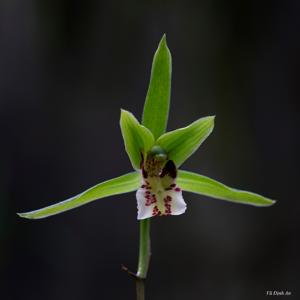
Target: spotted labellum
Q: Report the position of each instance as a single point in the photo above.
(159, 194)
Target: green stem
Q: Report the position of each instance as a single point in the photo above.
(144, 258)
(140, 289)
(145, 249)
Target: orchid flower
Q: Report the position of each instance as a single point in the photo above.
(156, 157)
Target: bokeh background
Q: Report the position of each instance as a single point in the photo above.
(67, 67)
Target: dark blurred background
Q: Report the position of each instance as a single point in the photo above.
(66, 69)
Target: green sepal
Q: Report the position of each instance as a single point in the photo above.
(181, 143)
(156, 108)
(137, 138)
(199, 184)
(119, 185)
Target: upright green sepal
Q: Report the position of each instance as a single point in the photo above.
(156, 108)
(181, 143)
(199, 184)
(119, 185)
(137, 138)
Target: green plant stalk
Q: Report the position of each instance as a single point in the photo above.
(140, 289)
(145, 249)
(144, 258)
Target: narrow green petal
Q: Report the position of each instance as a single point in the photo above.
(156, 108)
(181, 143)
(199, 184)
(137, 138)
(120, 185)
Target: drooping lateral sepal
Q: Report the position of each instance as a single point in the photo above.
(137, 138)
(181, 143)
(119, 185)
(199, 184)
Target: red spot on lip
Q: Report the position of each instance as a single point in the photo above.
(156, 211)
(177, 189)
(168, 210)
(168, 199)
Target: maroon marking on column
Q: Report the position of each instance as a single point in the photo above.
(142, 161)
(145, 174)
(169, 169)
